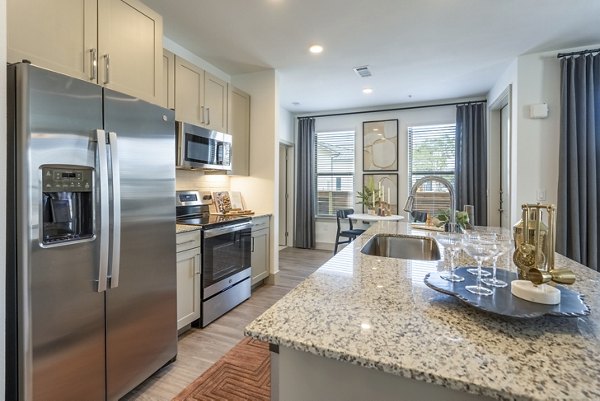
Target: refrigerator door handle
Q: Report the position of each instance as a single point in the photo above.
(116, 191)
(104, 220)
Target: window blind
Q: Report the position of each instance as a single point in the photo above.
(334, 171)
(431, 151)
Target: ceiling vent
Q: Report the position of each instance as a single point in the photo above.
(362, 71)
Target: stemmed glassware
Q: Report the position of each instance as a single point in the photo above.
(502, 243)
(452, 242)
(474, 235)
(479, 249)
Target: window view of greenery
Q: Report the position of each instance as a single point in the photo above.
(334, 171)
(431, 151)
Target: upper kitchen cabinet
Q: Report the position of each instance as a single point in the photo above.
(239, 128)
(168, 92)
(116, 43)
(130, 48)
(215, 102)
(60, 35)
(200, 97)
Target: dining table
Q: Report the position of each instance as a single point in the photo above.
(374, 217)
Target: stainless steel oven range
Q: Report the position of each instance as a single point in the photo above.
(225, 246)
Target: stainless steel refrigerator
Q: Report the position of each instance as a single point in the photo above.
(91, 269)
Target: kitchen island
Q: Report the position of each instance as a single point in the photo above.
(367, 327)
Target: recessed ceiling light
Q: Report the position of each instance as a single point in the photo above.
(375, 129)
(367, 91)
(316, 49)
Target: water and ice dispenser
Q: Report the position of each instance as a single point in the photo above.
(67, 204)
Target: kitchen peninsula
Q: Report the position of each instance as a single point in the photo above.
(367, 327)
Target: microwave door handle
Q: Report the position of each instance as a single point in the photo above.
(116, 191)
(104, 222)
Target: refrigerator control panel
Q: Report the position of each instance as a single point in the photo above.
(67, 204)
(67, 179)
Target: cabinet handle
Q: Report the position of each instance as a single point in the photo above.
(93, 64)
(252, 245)
(208, 116)
(202, 114)
(107, 68)
(186, 242)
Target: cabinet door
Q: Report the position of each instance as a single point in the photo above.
(168, 80)
(215, 102)
(189, 91)
(188, 287)
(260, 255)
(239, 128)
(59, 35)
(130, 48)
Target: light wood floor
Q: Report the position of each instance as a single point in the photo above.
(198, 349)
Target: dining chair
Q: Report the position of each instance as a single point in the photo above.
(350, 234)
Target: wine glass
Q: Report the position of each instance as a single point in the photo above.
(452, 242)
(502, 243)
(475, 235)
(479, 249)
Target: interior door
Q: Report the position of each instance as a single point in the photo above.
(505, 220)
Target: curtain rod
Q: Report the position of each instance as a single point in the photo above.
(394, 109)
(561, 55)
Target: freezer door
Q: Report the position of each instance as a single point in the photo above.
(59, 314)
(141, 307)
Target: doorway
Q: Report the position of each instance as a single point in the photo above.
(285, 208)
(499, 168)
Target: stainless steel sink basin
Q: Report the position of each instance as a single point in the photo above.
(402, 247)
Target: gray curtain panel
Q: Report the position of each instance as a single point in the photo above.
(305, 187)
(578, 221)
(471, 159)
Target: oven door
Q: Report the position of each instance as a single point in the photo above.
(225, 253)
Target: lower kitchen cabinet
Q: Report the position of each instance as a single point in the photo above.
(260, 248)
(188, 278)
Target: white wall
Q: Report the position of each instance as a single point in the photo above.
(260, 189)
(286, 126)
(179, 50)
(326, 228)
(535, 78)
(2, 189)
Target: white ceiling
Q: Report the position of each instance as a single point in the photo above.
(417, 50)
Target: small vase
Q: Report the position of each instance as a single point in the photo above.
(371, 211)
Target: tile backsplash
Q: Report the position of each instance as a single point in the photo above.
(187, 179)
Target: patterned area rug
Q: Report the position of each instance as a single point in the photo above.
(244, 373)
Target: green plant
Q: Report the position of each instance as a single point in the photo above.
(366, 196)
(462, 218)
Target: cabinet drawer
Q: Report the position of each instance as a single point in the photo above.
(260, 222)
(188, 240)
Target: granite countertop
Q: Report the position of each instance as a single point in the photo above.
(378, 313)
(184, 228)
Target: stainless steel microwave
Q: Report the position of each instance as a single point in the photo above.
(199, 147)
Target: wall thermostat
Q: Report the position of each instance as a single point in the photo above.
(538, 110)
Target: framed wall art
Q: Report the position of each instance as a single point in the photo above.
(380, 145)
(386, 185)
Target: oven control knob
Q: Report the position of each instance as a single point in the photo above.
(230, 280)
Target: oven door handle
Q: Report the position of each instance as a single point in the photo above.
(213, 232)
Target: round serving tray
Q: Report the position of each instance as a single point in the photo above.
(502, 302)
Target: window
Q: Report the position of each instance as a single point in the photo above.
(431, 150)
(335, 171)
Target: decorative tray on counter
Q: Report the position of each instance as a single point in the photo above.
(502, 302)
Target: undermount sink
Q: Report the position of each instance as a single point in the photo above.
(402, 247)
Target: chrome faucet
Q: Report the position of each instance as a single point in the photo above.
(408, 207)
